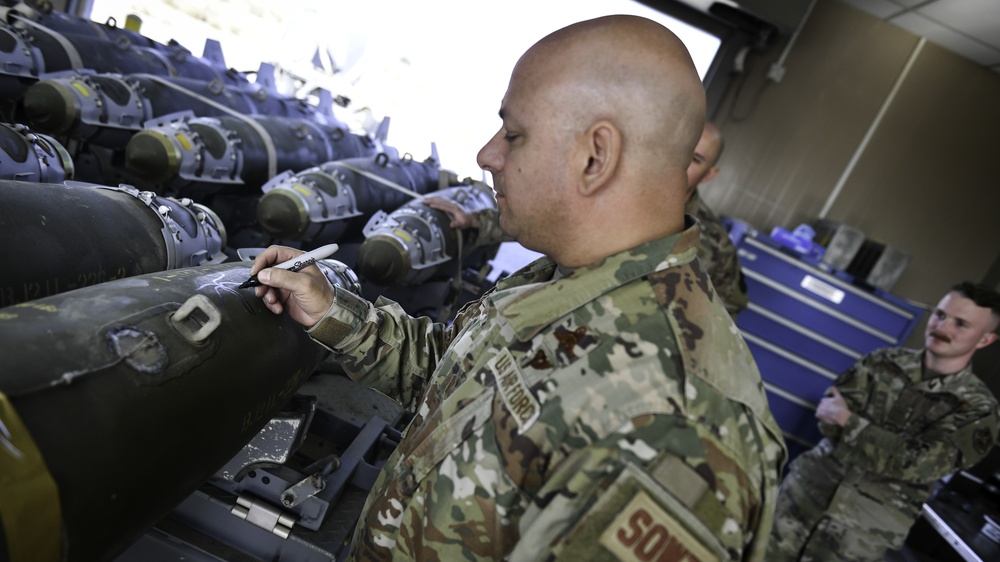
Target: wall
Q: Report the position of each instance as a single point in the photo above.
(925, 182)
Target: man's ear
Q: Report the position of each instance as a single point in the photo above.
(987, 339)
(604, 147)
(710, 175)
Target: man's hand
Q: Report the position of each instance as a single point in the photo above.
(833, 409)
(306, 295)
(459, 218)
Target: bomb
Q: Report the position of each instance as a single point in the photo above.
(184, 152)
(107, 109)
(62, 237)
(334, 201)
(415, 243)
(118, 400)
(32, 156)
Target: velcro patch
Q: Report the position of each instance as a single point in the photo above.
(982, 440)
(683, 481)
(514, 390)
(644, 531)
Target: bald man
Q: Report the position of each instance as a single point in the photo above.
(716, 251)
(598, 403)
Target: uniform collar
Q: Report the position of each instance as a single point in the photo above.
(693, 203)
(538, 302)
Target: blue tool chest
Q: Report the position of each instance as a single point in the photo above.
(807, 323)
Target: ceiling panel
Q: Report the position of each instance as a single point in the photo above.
(970, 28)
(968, 47)
(979, 19)
(881, 9)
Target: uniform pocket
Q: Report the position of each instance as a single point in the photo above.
(437, 440)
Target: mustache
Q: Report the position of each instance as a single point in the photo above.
(940, 336)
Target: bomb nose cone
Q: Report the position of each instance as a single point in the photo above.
(50, 107)
(282, 214)
(153, 155)
(383, 261)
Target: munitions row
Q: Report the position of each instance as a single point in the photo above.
(216, 162)
(133, 176)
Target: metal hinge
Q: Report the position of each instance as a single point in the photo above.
(264, 515)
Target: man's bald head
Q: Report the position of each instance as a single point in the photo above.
(600, 120)
(632, 71)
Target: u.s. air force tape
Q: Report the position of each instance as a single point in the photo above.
(514, 390)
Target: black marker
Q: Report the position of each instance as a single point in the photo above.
(297, 263)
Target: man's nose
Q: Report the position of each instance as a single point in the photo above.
(489, 157)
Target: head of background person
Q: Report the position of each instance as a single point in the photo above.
(964, 321)
(600, 120)
(703, 167)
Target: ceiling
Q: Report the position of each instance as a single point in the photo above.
(970, 28)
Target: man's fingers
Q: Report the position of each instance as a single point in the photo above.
(284, 279)
(273, 255)
(439, 203)
(449, 207)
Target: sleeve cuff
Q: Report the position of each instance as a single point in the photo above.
(342, 325)
(849, 437)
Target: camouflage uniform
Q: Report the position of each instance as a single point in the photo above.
(718, 256)
(857, 493)
(612, 408)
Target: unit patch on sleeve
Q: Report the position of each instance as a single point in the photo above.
(982, 440)
(644, 531)
(514, 390)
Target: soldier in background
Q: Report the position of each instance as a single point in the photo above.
(894, 423)
(716, 251)
(599, 402)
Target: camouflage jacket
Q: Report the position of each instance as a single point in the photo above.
(858, 492)
(612, 409)
(718, 256)
(907, 431)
